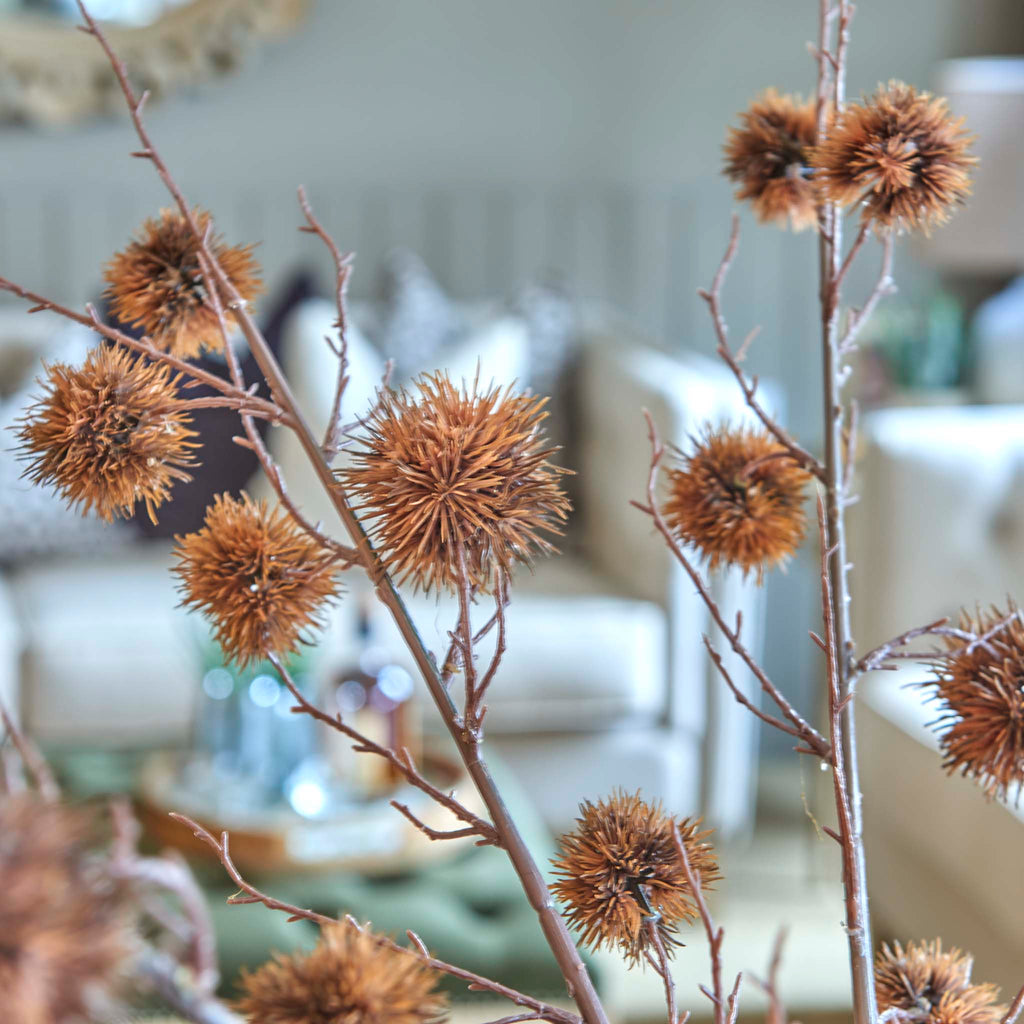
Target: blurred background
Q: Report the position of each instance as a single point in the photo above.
(534, 185)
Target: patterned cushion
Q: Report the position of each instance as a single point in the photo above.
(415, 319)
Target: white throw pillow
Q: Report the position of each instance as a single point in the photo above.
(499, 345)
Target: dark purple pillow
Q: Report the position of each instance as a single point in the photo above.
(223, 465)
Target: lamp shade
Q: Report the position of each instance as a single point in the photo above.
(987, 236)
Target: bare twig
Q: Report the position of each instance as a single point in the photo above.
(403, 762)
(248, 893)
(170, 874)
(343, 269)
(883, 286)
(254, 404)
(163, 973)
(33, 761)
(849, 838)
(891, 649)
(662, 965)
(800, 726)
(255, 442)
(475, 714)
(1015, 1008)
(742, 698)
(770, 983)
(715, 936)
(712, 297)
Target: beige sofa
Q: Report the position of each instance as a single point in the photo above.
(605, 682)
(940, 525)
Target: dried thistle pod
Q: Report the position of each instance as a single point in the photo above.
(979, 686)
(768, 157)
(157, 283)
(65, 925)
(738, 497)
(933, 986)
(109, 434)
(449, 474)
(260, 579)
(348, 978)
(620, 871)
(900, 155)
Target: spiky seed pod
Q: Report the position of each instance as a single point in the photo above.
(901, 155)
(259, 578)
(620, 869)
(157, 284)
(933, 986)
(64, 926)
(109, 434)
(980, 691)
(739, 498)
(768, 156)
(348, 978)
(449, 470)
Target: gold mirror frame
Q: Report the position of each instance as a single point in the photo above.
(50, 73)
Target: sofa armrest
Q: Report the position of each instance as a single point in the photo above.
(621, 377)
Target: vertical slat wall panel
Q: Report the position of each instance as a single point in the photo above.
(644, 253)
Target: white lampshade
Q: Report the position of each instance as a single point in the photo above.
(986, 236)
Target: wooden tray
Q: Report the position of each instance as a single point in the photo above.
(370, 838)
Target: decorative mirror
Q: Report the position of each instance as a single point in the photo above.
(51, 73)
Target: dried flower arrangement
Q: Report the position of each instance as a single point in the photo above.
(450, 489)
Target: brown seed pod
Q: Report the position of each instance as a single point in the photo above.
(64, 926)
(455, 471)
(980, 690)
(258, 577)
(348, 978)
(933, 986)
(768, 157)
(620, 869)
(109, 434)
(900, 155)
(157, 284)
(738, 497)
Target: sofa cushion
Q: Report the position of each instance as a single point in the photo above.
(497, 344)
(941, 521)
(580, 656)
(109, 658)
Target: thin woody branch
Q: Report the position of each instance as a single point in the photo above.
(343, 269)
(661, 964)
(810, 736)
(712, 297)
(401, 762)
(770, 983)
(255, 442)
(892, 649)
(169, 874)
(248, 894)
(883, 286)
(724, 1013)
(258, 406)
(563, 948)
(1015, 1008)
(848, 837)
(31, 758)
